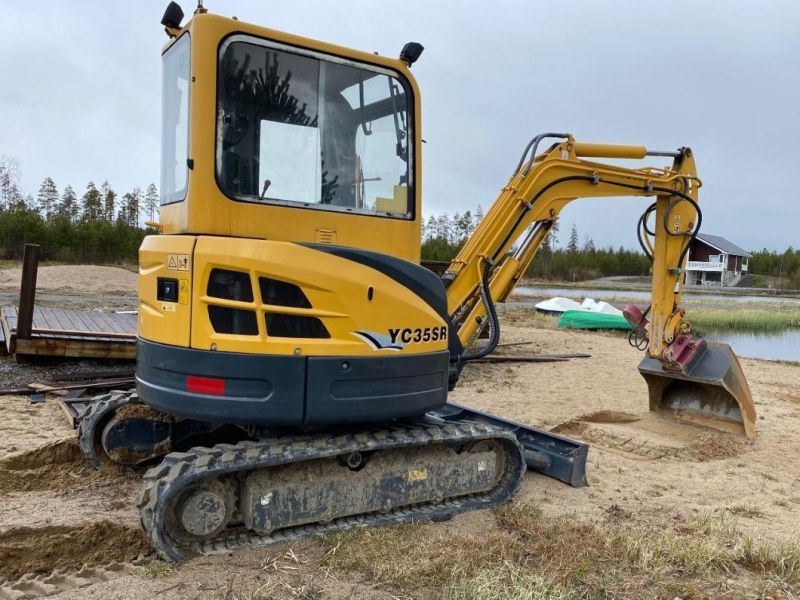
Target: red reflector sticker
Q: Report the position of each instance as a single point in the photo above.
(205, 385)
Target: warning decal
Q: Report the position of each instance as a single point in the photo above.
(178, 262)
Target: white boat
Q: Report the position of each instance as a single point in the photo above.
(555, 306)
(602, 307)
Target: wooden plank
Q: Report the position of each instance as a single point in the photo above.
(83, 335)
(80, 327)
(51, 319)
(95, 375)
(9, 345)
(67, 409)
(11, 316)
(41, 387)
(73, 320)
(89, 322)
(54, 320)
(112, 324)
(27, 290)
(109, 322)
(74, 409)
(76, 348)
(109, 384)
(492, 358)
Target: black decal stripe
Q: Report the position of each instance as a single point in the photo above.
(418, 279)
(374, 342)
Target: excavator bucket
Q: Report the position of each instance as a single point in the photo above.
(711, 390)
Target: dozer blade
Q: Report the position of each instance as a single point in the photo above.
(710, 391)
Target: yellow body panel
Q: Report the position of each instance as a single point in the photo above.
(166, 256)
(338, 290)
(206, 210)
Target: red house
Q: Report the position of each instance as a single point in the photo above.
(713, 260)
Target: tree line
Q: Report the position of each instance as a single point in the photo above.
(444, 235)
(101, 226)
(97, 226)
(783, 265)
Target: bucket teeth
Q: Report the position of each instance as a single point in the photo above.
(712, 391)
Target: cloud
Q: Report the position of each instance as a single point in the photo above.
(81, 100)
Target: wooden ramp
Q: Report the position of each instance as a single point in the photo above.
(72, 333)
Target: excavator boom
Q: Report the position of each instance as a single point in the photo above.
(686, 376)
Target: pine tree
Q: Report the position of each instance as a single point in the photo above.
(572, 245)
(463, 226)
(430, 228)
(92, 204)
(68, 207)
(443, 227)
(136, 208)
(129, 209)
(109, 201)
(588, 244)
(552, 236)
(47, 198)
(10, 196)
(151, 201)
(478, 215)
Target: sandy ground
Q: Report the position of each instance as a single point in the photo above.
(664, 470)
(642, 469)
(75, 278)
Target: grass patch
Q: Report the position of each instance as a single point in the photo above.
(529, 556)
(743, 320)
(746, 510)
(155, 570)
(528, 318)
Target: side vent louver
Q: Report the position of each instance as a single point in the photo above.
(325, 236)
(292, 326)
(230, 285)
(280, 293)
(233, 320)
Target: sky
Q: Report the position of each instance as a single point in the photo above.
(80, 94)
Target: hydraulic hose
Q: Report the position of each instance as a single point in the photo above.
(491, 313)
(534, 143)
(642, 232)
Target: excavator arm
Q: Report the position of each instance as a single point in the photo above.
(687, 376)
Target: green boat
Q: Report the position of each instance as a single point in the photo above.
(584, 319)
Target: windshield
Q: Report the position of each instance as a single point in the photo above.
(301, 130)
(175, 121)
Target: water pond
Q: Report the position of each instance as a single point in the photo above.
(782, 345)
(639, 295)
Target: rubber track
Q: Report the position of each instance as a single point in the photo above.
(101, 407)
(179, 470)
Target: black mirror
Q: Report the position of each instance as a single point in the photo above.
(172, 16)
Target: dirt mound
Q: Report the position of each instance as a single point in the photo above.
(26, 550)
(610, 416)
(55, 453)
(75, 278)
(55, 466)
(651, 437)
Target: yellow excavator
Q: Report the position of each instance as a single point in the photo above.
(294, 358)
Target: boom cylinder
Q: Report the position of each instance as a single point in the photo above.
(588, 149)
